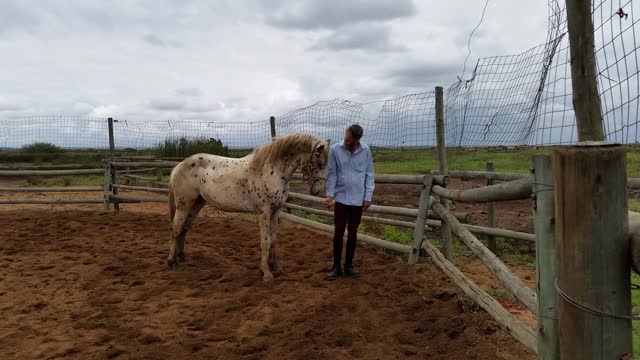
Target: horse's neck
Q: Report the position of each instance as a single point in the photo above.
(288, 167)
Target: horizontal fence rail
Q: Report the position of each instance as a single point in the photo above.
(513, 190)
(50, 189)
(51, 172)
(405, 249)
(379, 209)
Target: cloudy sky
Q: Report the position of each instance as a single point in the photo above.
(241, 60)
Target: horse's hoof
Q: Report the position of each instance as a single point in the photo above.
(180, 258)
(268, 277)
(172, 264)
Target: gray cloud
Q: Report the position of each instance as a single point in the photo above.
(376, 38)
(422, 75)
(167, 104)
(155, 40)
(331, 14)
(190, 92)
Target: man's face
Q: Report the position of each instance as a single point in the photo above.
(350, 141)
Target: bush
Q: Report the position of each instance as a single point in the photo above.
(41, 148)
(184, 147)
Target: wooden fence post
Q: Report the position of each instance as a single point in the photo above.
(111, 139)
(421, 220)
(112, 148)
(592, 249)
(586, 101)
(106, 186)
(272, 121)
(447, 249)
(491, 215)
(544, 225)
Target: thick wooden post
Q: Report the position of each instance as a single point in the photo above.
(544, 225)
(447, 248)
(421, 220)
(272, 121)
(592, 250)
(491, 215)
(586, 101)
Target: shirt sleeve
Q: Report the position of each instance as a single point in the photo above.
(369, 183)
(331, 173)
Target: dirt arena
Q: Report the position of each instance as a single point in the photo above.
(78, 283)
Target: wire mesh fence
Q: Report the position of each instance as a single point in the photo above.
(522, 99)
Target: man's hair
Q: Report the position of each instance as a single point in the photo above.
(356, 131)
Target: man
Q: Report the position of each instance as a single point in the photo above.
(350, 187)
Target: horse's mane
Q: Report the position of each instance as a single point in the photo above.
(281, 147)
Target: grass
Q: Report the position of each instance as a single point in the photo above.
(423, 160)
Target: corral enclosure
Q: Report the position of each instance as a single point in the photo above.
(81, 282)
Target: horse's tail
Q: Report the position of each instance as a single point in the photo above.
(172, 203)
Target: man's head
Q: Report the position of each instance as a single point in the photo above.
(352, 136)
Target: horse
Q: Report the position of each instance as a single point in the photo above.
(257, 183)
(634, 240)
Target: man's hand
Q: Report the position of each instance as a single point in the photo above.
(367, 204)
(328, 202)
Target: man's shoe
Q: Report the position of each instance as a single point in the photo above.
(335, 272)
(348, 271)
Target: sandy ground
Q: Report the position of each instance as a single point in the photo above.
(80, 283)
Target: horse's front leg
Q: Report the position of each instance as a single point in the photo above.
(273, 262)
(265, 244)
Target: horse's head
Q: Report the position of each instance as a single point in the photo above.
(314, 171)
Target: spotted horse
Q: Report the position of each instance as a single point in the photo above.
(257, 183)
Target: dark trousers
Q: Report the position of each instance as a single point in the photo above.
(345, 216)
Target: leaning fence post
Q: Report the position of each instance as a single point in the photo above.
(447, 249)
(544, 228)
(491, 215)
(421, 221)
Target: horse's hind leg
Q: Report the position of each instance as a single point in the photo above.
(191, 216)
(181, 220)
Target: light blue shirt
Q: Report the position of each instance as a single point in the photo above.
(350, 177)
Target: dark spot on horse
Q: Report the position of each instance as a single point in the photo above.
(204, 181)
(194, 164)
(209, 161)
(282, 177)
(272, 172)
(196, 175)
(213, 167)
(200, 158)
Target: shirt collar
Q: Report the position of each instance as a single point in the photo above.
(358, 149)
